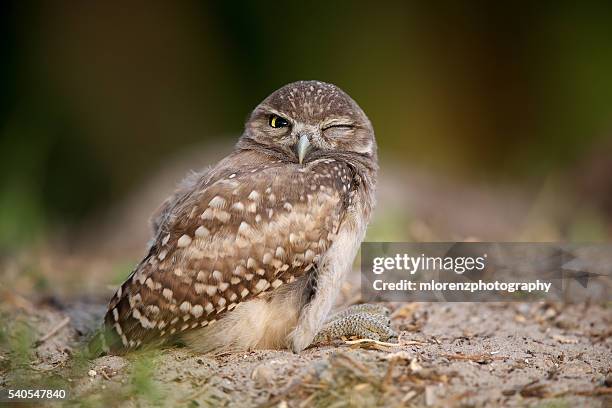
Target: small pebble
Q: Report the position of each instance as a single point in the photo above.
(92, 373)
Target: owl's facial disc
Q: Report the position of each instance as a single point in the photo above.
(308, 118)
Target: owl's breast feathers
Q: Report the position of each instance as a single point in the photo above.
(240, 234)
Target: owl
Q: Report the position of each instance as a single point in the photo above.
(252, 252)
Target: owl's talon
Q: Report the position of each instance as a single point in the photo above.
(365, 321)
(368, 308)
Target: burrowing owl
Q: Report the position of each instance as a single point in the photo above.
(252, 252)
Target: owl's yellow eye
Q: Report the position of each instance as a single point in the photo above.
(278, 122)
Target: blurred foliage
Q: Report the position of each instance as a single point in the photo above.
(141, 379)
(95, 97)
(16, 340)
(18, 362)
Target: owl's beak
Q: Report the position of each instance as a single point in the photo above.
(303, 146)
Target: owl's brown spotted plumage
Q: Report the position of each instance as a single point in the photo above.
(252, 252)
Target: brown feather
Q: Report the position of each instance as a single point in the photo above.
(265, 225)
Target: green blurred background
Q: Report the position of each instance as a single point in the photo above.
(97, 95)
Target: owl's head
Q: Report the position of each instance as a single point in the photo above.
(308, 119)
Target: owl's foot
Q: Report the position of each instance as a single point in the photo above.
(365, 321)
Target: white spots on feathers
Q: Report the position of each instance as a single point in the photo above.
(152, 310)
(202, 232)
(280, 252)
(252, 207)
(238, 206)
(185, 307)
(167, 293)
(253, 195)
(212, 213)
(134, 300)
(262, 285)
(240, 270)
(183, 241)
(217, 202)
(210, 289)
(251, 263)
(309, 255)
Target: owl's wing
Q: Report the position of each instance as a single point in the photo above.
(240, 235)
(164, 211)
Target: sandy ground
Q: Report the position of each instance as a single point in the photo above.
(449, 354)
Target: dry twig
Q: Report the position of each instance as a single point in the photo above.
(474, 357)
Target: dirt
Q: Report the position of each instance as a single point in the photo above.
(449, 354)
